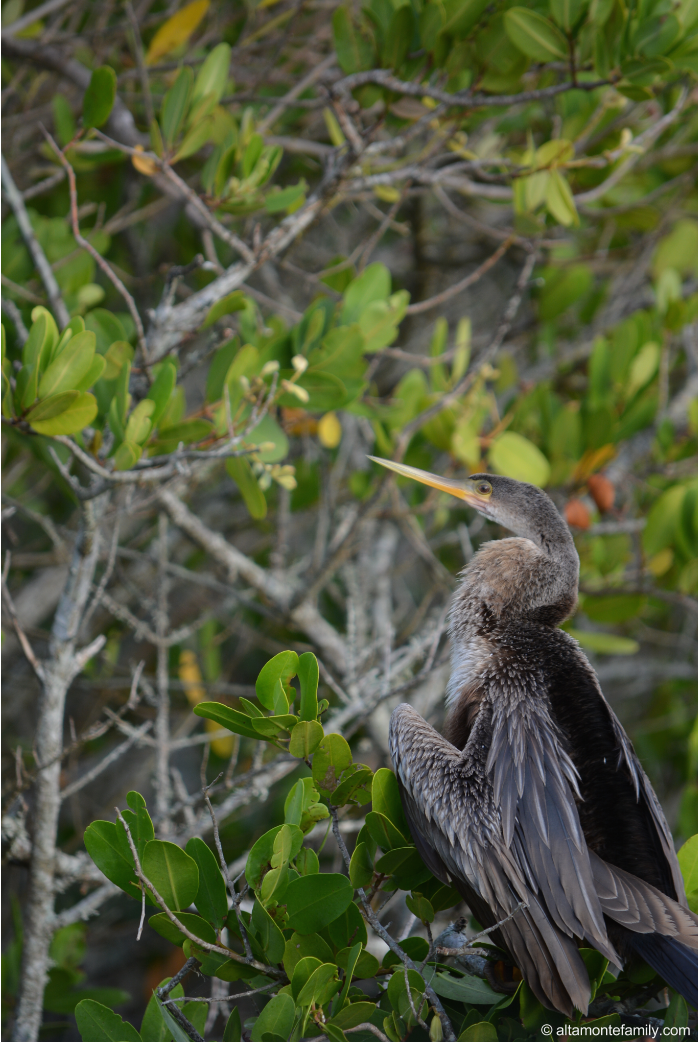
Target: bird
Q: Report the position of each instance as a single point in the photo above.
(533, 803)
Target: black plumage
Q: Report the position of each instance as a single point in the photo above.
(535, 794)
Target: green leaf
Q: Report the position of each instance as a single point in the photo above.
(99, 97)
(261, 854)
(211, 898)
(316, 985)
(69, 366)
(361, 866)
(331, 758)
(461, 16)
(153, 1027)
(348, 928)
(175, 105)
(483, 1031)
(43, 337)
(175, 1030)
(605, 643)
(354, 50)
(218, 369)
(237, 722)
(286, 198)
(240, 471)
(348, 964)
(315, 901)
(305, 738)
(277, 1018)
(79, 415)
(398, 38)
(118, 354)
(416, 947)
(127, 454)
(138, 821)
(354, 786)
(268, 430)
(188, 432)
(52, 406)
(688, 861)
(299, 947)
(93, 374)
(566, 12)
(421, 907)
(233, 1027)
(676, 1015)
(309, 678)
(353, 1015)
(517, 457)
(283, 667)
(464, 989)
(139, 425)
(213, 75)
(163, 925)
(267, 933)
(161, 389)
(384, 832)
(406, 865)
(374, 283)
(386, 799)
(534, 35)
(236, 301)
(96, 1023)
(110, 853)
(559, 199)
(172, 872)
(302, 973)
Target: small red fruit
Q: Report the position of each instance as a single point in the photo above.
(576, 514)
(602, 492)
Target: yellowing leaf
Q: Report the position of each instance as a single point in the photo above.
(176, 30)
(333, 128)
(560, 201)
(190, 675)
(329, 430)
(142, 164)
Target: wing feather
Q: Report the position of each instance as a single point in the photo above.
(503, 823)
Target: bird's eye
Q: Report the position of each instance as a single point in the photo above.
(484, 488)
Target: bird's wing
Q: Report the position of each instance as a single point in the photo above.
(500, 818)
(644, 793)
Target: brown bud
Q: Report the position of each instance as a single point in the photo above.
(576, 514)
(602, 492)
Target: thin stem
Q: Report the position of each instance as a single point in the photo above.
(14, 197)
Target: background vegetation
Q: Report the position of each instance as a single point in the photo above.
(244, 247)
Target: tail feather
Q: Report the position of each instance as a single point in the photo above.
(673, 961)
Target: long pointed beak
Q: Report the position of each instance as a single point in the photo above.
(454, 488)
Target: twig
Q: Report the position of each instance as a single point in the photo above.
(205, 945)
(108, 760)
(486, 359)
(87, 245)
(41, 263)
(483, 933)
(282, 104)
(33, 16)
(142, 71)
(15, 314)
(236, 898)
(469, 280)
(463, 99)
(21, 635)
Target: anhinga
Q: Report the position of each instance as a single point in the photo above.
(534, 794)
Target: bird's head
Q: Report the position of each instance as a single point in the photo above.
(523, 509)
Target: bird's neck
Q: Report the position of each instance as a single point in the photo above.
(516, 580)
